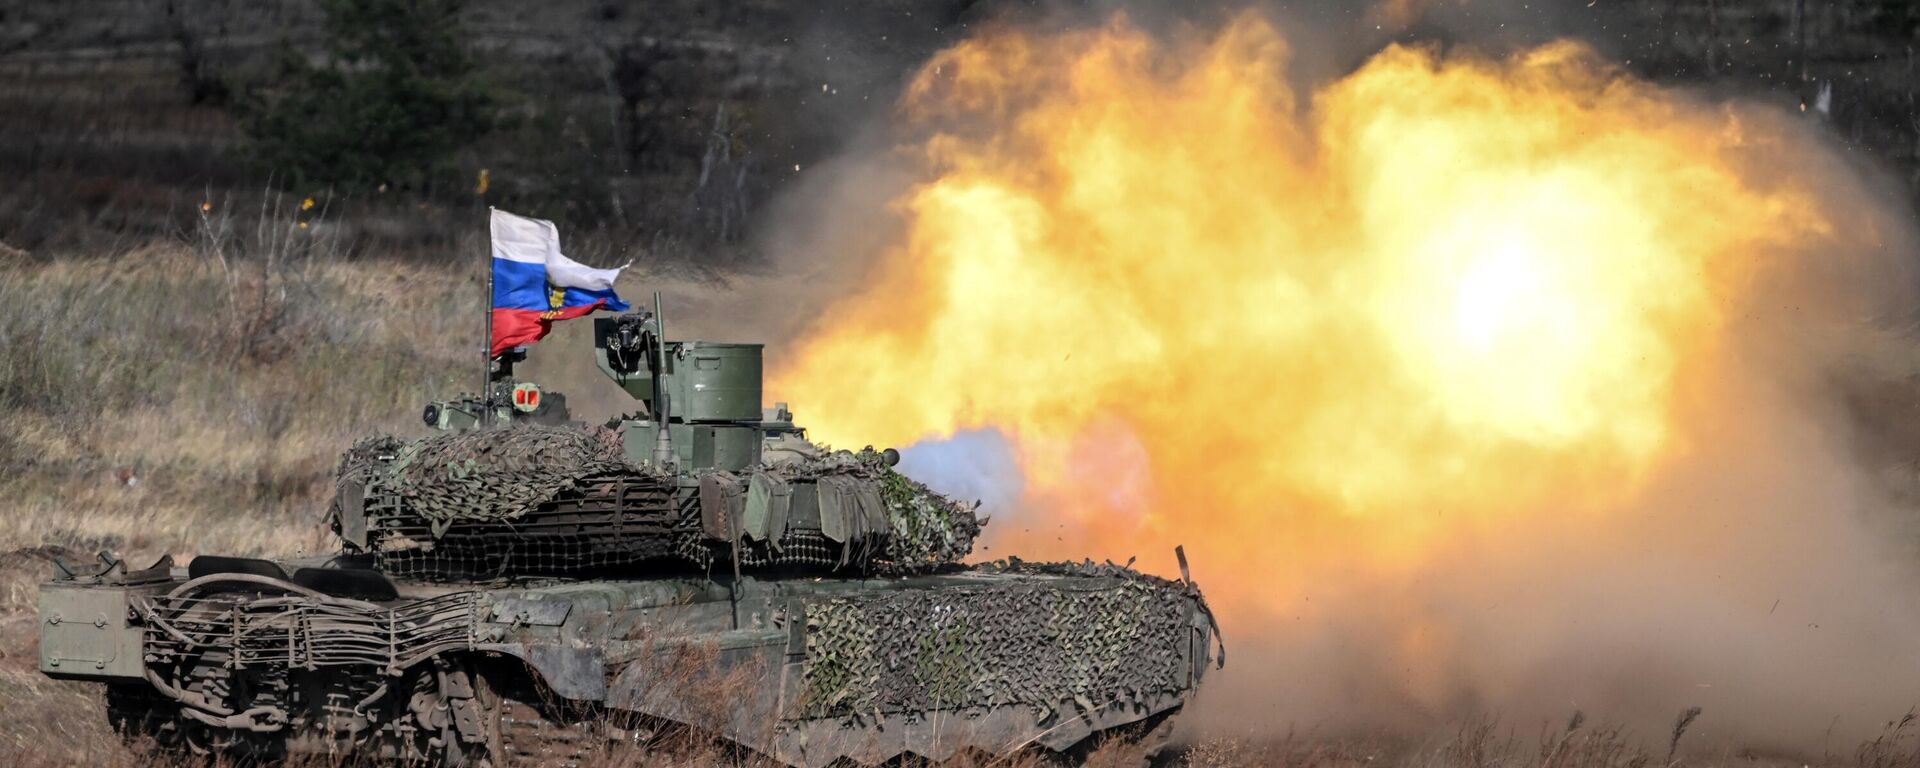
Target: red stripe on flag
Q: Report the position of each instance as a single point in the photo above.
(520, 327)
(517, 327)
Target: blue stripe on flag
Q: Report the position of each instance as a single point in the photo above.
(580, 297)
(519, 285)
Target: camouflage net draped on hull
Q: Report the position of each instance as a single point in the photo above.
(1032, 641)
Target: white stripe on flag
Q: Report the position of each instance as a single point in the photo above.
(537, 241)
(518, 238)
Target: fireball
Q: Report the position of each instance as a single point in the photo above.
(1443, 290)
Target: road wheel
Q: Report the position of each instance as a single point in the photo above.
(1135, 745)
(526, 725)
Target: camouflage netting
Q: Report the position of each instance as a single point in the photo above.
(498, 474)
(927, 527)
(1026, 642)
(884, 517)
(485, 502)
(358, 465)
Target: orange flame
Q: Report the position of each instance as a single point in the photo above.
(1450, 289)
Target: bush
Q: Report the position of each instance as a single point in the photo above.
(392, 100)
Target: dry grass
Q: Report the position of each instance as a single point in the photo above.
(1480, 743)
(172, 399)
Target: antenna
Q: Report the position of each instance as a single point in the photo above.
(486, 346)
(663, 442)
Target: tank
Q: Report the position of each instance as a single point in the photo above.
(517, 587)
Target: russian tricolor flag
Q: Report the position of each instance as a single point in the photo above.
(534, 285)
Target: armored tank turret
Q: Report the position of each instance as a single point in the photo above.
(700, 474)
(520, 588)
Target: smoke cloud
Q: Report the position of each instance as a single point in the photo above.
(1137, 287)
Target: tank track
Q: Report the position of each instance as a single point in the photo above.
(137, 712)
(1139, 745)
(530, 738)
(527, 726)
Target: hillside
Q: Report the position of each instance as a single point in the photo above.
(668, 128)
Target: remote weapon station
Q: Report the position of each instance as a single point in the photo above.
(517, 588)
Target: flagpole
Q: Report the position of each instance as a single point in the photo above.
(486, 341)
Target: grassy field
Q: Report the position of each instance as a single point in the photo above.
(159, 401)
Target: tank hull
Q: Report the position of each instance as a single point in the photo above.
(260, 657)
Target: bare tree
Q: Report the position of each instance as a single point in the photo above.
(719, 202)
